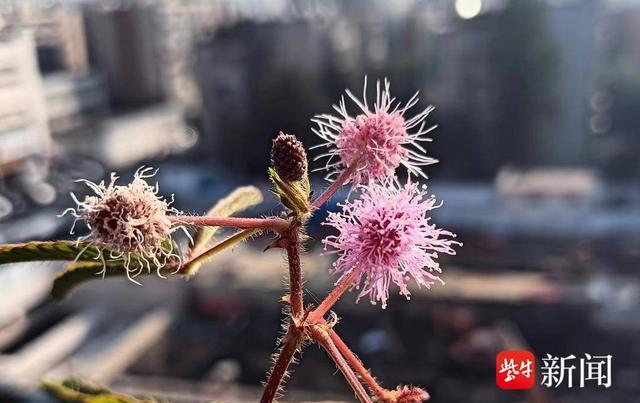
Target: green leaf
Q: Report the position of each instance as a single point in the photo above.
(47, 250)
(77, 391)
(58, 250)
(80, 272)
(86, 261)
(75, 274)
(240, 199)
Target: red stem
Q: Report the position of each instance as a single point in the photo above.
(356, 364)
(295, 273)
(290, 345)
(333, 188)
(272, 223)
(321, 336)
(343, 285)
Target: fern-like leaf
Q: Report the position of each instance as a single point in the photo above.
(80, 272)
(47, 250)
(75, 274)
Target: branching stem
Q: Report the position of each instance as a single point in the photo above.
(356, 364)
(322, 337)
(272, 223)
(333, 188)
(343, 285)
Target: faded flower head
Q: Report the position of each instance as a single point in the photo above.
(289, 157)
(386, 236)
(378, 141)
(404, 394)
(127, 220)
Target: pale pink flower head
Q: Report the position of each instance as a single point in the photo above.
(386, 236)
(128, 222)
(377, 140)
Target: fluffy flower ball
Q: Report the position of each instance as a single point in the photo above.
(376, 141)
(386, 236)
(127, 220)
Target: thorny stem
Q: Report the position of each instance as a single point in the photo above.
(290, 344)
(356, 364)
(295, 273)
(321, 336)
(333, 188)
(294, 336)
(273, 223)
(343, 285)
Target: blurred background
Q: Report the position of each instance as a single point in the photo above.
(539, 135)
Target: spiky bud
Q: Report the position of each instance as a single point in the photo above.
(288, 157)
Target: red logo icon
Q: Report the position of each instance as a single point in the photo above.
(515, 370)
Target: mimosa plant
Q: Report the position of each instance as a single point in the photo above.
(383, 233)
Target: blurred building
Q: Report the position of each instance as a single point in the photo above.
(58, 31)
(122, 43)
(101, 83)
(511, 82)
(573, 27)
(86, 82)
(147, 49)
(514, 82)
(23, 119)
(258, 78)
(615, 97)
(122, 140)
(560, 188)
(73, 101)
(181, 24)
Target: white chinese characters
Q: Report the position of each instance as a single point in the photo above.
(595, 369)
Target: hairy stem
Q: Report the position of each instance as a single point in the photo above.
(333, 188)
(290, 344)
(232, 240)
(322, 337)
(356, 364)
(343, 285)
(295, 273)
(272, 223)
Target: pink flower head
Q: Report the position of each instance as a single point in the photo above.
(386, 236)
(378, 140)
